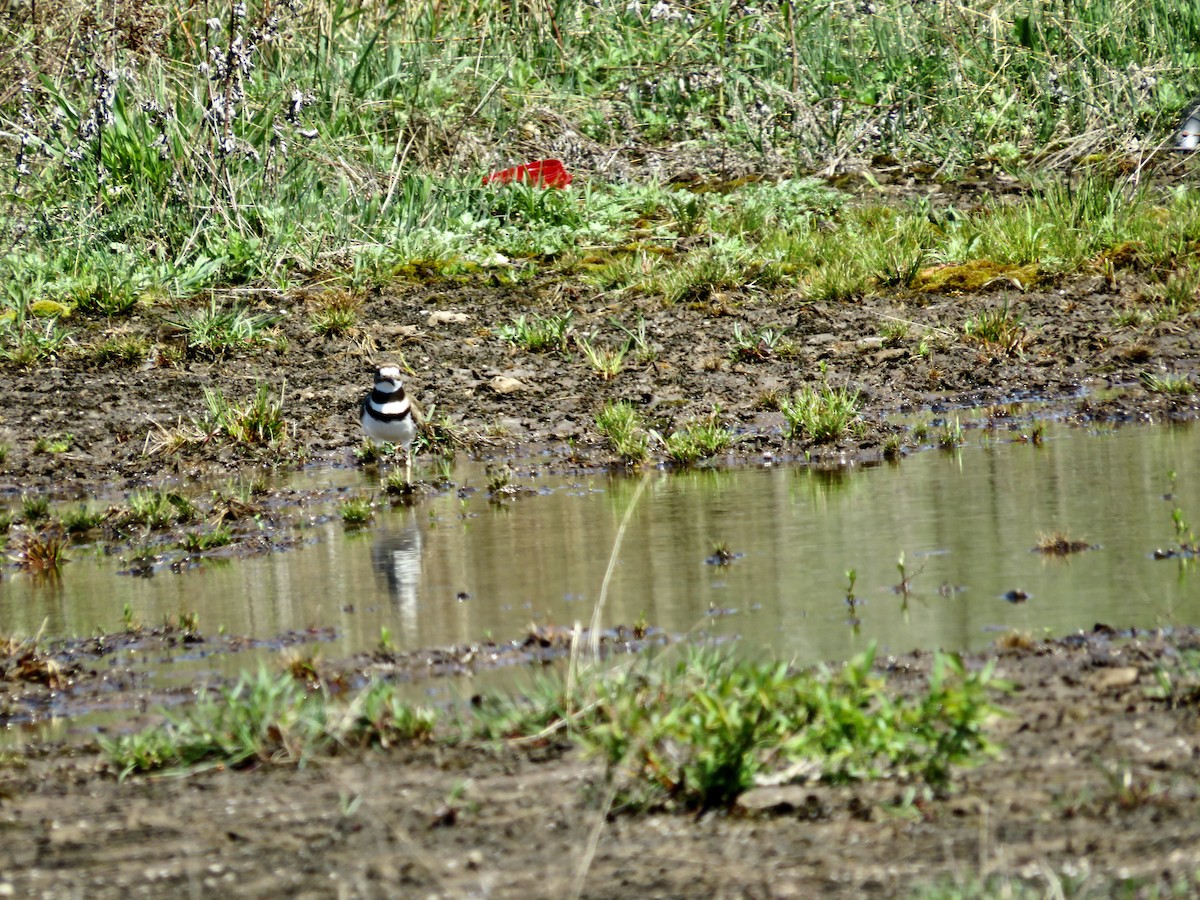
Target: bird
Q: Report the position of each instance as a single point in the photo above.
(387, 414)
(1187, 135)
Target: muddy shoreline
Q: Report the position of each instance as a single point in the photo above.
(499, 400)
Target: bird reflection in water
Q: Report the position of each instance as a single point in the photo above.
(396, 557)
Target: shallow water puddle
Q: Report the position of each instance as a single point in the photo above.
(457, 568)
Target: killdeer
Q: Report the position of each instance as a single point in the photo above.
(1187, 135)
(387, 414)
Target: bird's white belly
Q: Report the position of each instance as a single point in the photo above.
(398, 432)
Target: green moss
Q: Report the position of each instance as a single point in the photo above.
(973, 276)
(49, 309)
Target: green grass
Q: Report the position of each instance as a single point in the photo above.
(260, 421)
(698, 439)
(754, 346)
(538, 334)
(356, 511)
(26, 342)
(201, 541)
(354, 142)
(998, 327)
(821, 414)
(607, 362)
(336, 314)
(1177, 385)
(266, 718)
(124, 350)
(157, 509)
(438, 435)
(690, 734)
(35, 508)
(697, 733)
(214, 331)
(83, 518)
(54, 443)
(622, 425)
(950, 435)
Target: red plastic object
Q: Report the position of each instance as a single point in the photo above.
(543, 173)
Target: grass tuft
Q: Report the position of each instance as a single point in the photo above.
(258, 422)
(41, 551)
(822, 414)
(356, 511)
(1176, 385)
(538, 334)
(268, 718)
(698, 439)
(625, 430)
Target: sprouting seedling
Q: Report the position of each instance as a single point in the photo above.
(906, 579)
(851, 601)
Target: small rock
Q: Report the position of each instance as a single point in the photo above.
(1111, 679)
(502, 384)
(399, 331)
(779, 800)
(443, 317)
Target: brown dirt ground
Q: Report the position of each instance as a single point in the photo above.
(1097, 779)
